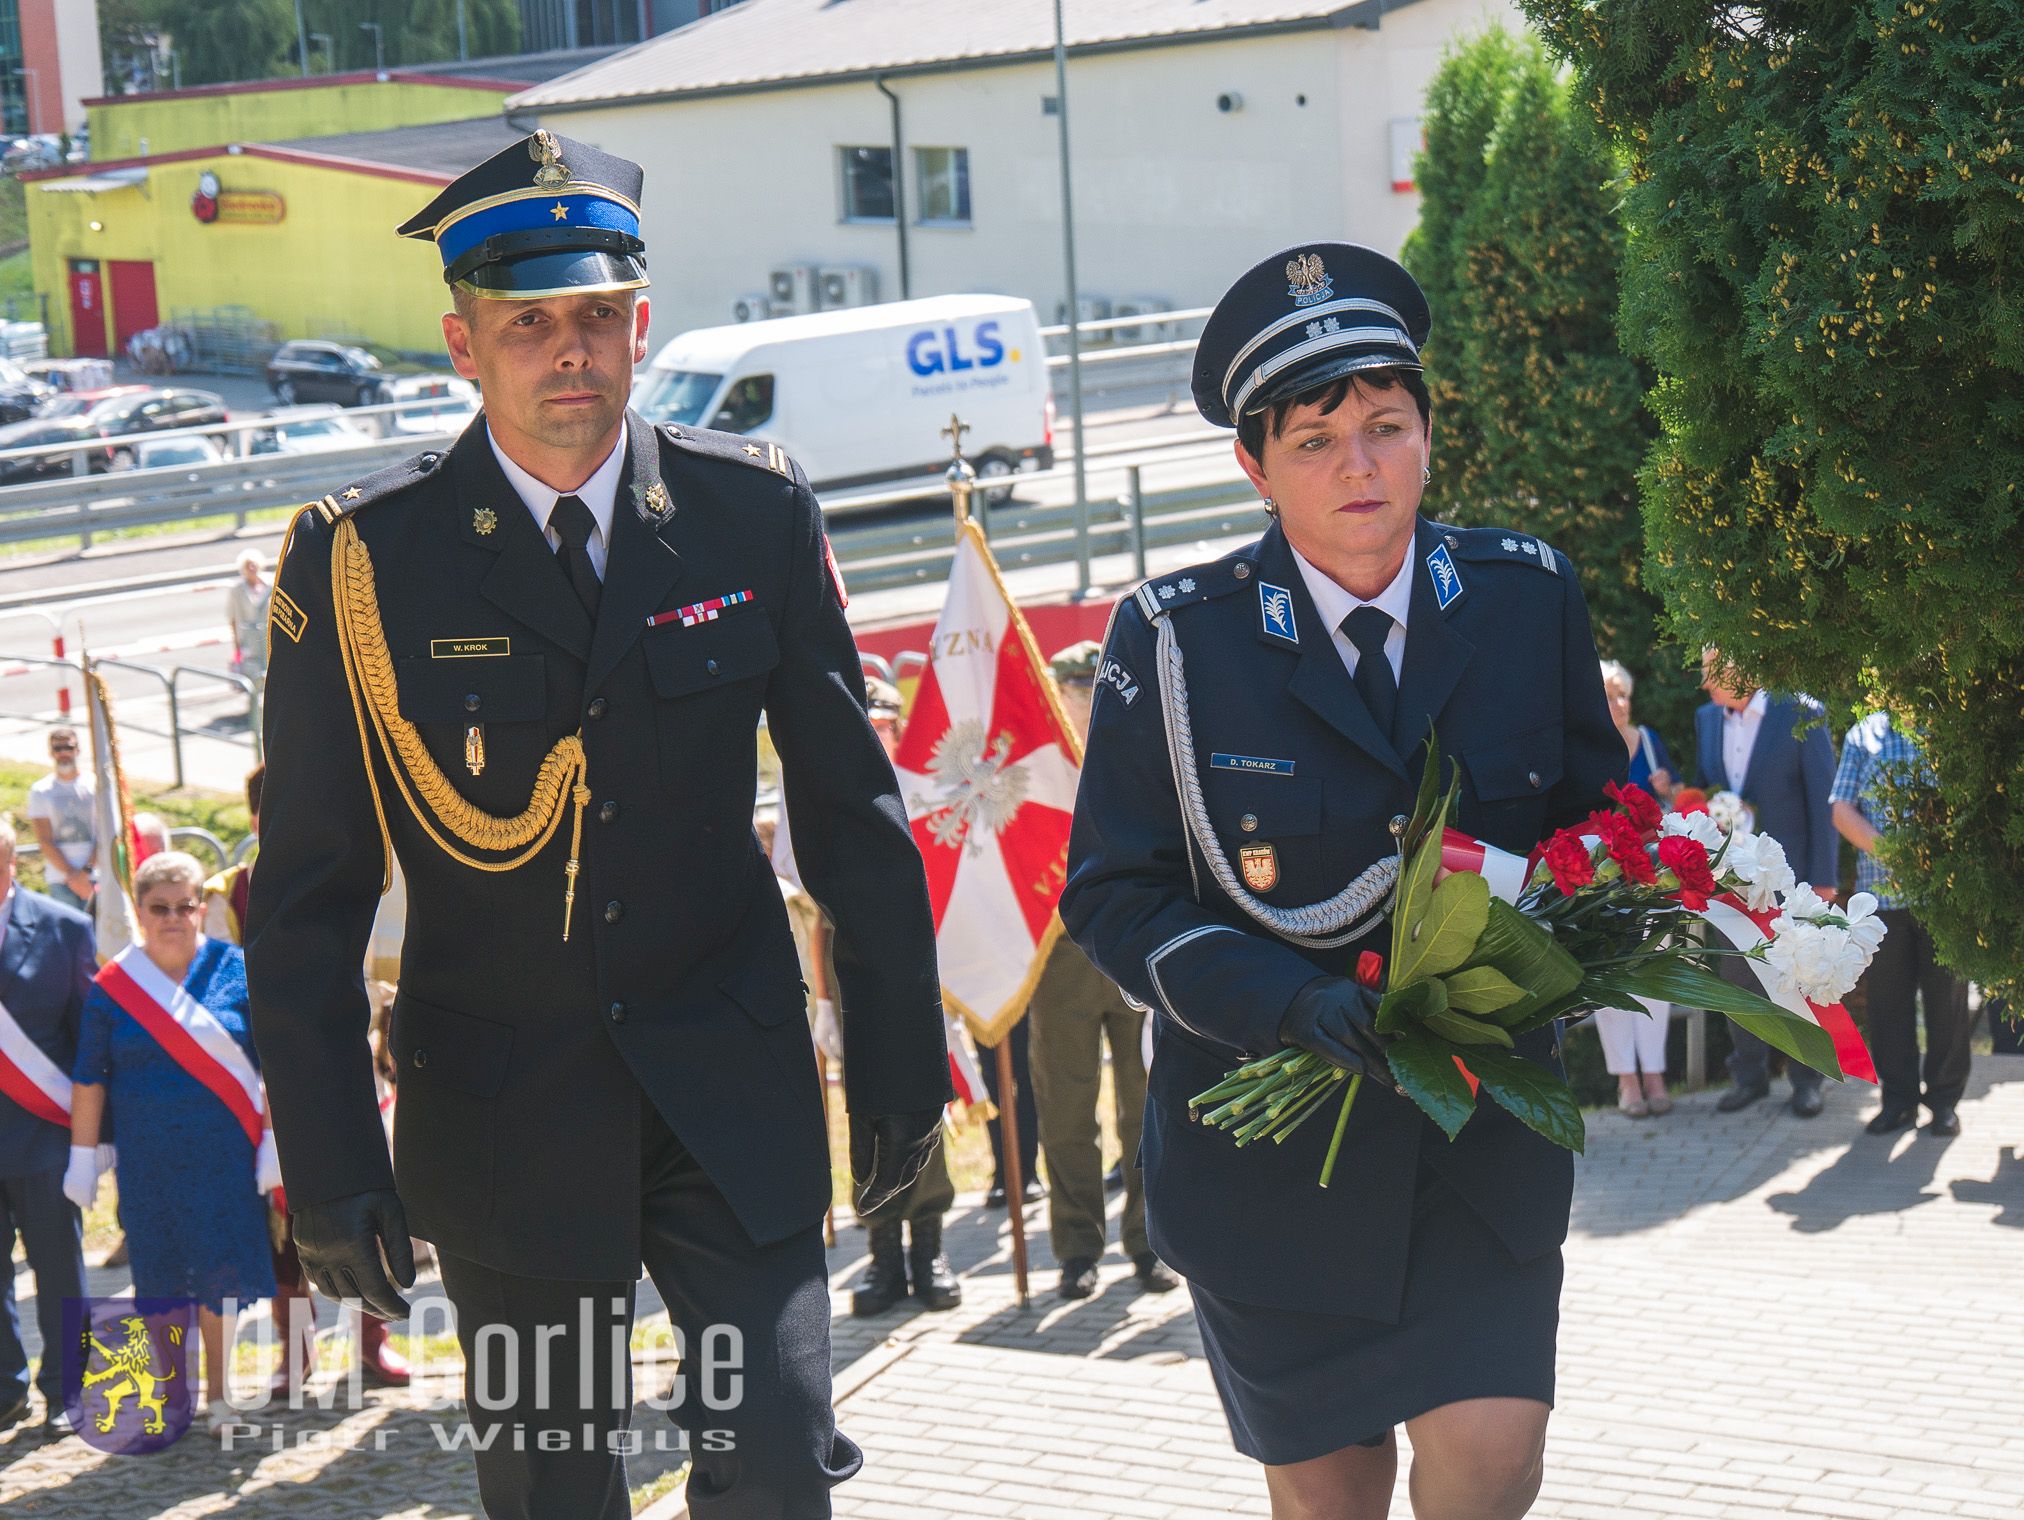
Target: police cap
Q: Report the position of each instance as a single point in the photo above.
(548, 216)
(882, 698)
(1308, 315)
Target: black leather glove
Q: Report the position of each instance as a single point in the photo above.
(887, 1152)
(351, 1246)
(1336, 1018)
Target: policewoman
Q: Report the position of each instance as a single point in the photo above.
(532, 669)
(1256, 740)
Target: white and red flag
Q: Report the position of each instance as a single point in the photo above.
(988, 768)
(116, 846)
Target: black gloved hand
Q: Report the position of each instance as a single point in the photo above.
(1336, 1018)
(350, 1245)
(887, 1151)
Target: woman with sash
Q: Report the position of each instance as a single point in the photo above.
(165, 1043)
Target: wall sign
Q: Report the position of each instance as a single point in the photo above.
(212, 204)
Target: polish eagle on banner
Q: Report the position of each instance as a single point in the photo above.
(988, 768)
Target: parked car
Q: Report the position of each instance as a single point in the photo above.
(65, 375)
(77, 403)
(163, 453)
(21, 394)
(350, 374)
(40, 431)
(153, 411)
(307, 430)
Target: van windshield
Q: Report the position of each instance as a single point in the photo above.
(675, 395)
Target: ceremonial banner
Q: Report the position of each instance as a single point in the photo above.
(988, 769)
(112, 906)
(29, 1077)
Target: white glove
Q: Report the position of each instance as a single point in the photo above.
(267, 1164)
(828, 1033)
(80, 1177)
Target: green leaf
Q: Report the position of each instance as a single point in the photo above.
(1429, 794)
(1425, 1067)
(1415, 891)
(1681, 981)
(1481, 989)
(1405, 1008)
(1537, 1097)
(1528, 954)
(1446, 936)
(1464, 1030)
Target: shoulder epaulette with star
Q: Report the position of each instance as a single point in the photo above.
(1197, 583)
(1500, 544)
(377, 486)
(734, 447)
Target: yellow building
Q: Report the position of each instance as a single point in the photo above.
(297, 234)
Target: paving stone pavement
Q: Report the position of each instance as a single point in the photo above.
(1764, 1316)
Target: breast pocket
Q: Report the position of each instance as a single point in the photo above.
(708, 677)
(1270, 828)
(505, 697)
(1512, 780)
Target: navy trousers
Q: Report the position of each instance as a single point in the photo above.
(52, 1231)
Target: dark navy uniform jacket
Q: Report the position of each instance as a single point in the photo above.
(1507, 672)
(522, 1059)
(46, 967)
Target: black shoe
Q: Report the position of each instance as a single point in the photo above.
(995, 1199)
(1078, 1277)
(1113, 1180)
(885, 1280)
(934, 1282)
(1154, 1275)
(14, 1413)
(1740, 1096)
(1808, 1104)
(58, 1425)
(1946, 1123)
(1891, 1120)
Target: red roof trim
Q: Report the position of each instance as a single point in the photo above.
(314, 82)
(247, 150)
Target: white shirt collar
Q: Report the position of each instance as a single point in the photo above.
(1754, 708)
(599, 493)
(1332, 603)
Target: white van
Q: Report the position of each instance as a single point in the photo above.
(861, 396)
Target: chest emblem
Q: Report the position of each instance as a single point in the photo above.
(1260, 864)
(1275, 612)
(1447, 580)
(483, 521)
(653, 505)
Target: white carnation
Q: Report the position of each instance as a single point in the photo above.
(1698, 827)
(1865, 927)
(1759, 868)
(1731, 813)
(1818, 962)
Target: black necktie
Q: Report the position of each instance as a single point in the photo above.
(1367, 628)
(573, 524)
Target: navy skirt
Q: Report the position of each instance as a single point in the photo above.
(1474, 1324)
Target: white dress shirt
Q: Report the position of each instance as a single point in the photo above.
(598, 493)
(1334, 604)
(1739, 737)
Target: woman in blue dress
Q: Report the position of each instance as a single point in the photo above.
(1634, 1039)
(1650, 766)
(190, 1181)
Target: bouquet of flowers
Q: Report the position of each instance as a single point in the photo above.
(1486, 947)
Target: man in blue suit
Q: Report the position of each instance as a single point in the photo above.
(46, 964)
(1745, 742)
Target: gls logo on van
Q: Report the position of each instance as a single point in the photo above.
(935, 351)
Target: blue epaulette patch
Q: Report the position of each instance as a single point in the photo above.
(1198, 583)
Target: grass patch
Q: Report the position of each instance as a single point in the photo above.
(217, 522)
(660, 1487)
(17, 282)
(13, 211)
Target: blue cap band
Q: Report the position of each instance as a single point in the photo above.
(536, 213)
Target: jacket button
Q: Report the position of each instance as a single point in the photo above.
(420, 1059)
(596, 708)
(608, 813)
(470, 701)
(711, 666)
(1248, 823)
(614, 911)
(1532, 780)
(616, 1013)
(1398, 825)
(1242, 572)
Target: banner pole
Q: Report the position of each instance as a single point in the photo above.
(1014, 1178)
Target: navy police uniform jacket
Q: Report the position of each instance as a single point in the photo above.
(1500, 657)
(522, 1058)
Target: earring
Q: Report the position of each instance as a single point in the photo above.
(1271, 506)
(1426, 475)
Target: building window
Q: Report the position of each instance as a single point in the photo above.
(867, 184)
(942, 185)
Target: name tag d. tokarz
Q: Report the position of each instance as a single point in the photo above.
(1256, 763)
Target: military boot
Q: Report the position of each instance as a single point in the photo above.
(885, 1280)
(935, 1283)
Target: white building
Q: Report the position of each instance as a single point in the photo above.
(1205, 134)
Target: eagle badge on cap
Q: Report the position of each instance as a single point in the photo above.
(543, 150)
(1307, 280)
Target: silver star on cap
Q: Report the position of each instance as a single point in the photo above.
(1510, 546)
(1187, 585)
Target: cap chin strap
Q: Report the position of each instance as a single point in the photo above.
(1322, 925)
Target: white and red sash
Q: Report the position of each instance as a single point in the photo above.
(189, 1032)
(29, 1077)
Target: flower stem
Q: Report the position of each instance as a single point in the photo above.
(1341, 1125)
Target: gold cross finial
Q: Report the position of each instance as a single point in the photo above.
(954, 433)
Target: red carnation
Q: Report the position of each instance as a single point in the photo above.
(1567, 858)
(1370, 969)
(1639, 805)
(1626, 847)
(1688, 860)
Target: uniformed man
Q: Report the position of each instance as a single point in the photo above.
(1075, 1010)
(531, 669)
(1256, 740)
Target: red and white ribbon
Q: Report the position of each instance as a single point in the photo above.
(1506, 873)
(29, 1077)
(1730, 917)
(189, 1032)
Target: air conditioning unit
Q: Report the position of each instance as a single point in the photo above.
(848, 285)
(756, 306)
(1087, 309)
(791, 290)
(1140, 306)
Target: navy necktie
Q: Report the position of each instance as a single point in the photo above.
(1367, 628)
(573, 524)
